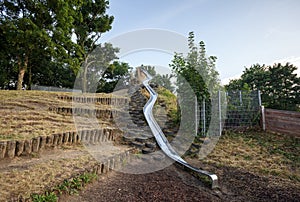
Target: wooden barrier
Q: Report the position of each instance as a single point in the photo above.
(116, 101)
(280, 121)
(12, 148)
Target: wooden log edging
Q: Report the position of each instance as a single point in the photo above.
(106, 114)
(12, 148)
(100, 100)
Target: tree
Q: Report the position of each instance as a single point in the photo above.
(150, 69)
(197, 69)
(28, 24)
(279, 85)
(115, 77)
(61, 32)
(196, 76)
(95, 66)
(89, 24)
(164, 81)
(283, 88)
(53, 75)
(8, 69)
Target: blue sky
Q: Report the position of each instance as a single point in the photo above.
(239, 32)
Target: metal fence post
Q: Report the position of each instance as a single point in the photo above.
(259, 97)
(263, 119)
(220, 112)
(241, 99)
(196, 115)
(203, 117)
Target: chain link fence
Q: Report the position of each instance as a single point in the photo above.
(235, 110)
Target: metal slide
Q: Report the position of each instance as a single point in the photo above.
(162, 140)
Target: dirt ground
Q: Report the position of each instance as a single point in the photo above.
(174, 184)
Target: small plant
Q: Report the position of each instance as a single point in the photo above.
(61, 188)
(47, 197)
(72, 186)
(88, 177)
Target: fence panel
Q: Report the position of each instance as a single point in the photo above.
(243, 110)
(235, 110)
(280, 121)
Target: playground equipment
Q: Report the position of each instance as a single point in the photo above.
(162, 140)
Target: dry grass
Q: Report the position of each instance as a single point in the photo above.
(25, 114)
(41, 176)
(23, 176)
(259, 152)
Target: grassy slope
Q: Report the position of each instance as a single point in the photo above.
(259, 152)
(25, 114)
(170, 100)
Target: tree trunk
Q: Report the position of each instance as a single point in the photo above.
(20, 78)
(29, 78)
(84, 80)
(22, 70)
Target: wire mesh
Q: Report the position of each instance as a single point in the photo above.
(235, 110)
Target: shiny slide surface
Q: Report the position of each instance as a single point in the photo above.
(162, 140)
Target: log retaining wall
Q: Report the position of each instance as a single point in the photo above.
(12, 148)
(100, 100)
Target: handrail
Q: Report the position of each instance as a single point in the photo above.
(161, 138)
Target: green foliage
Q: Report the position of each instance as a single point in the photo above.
(72, 186)
(47, 197)
(197, 69)
(115, 77)
(149, 69)
(68, 186)
(196, 76)
(45, 35)
(95, 66)
(164, 81)
(279, 85)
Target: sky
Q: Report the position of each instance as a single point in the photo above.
(238, 32)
